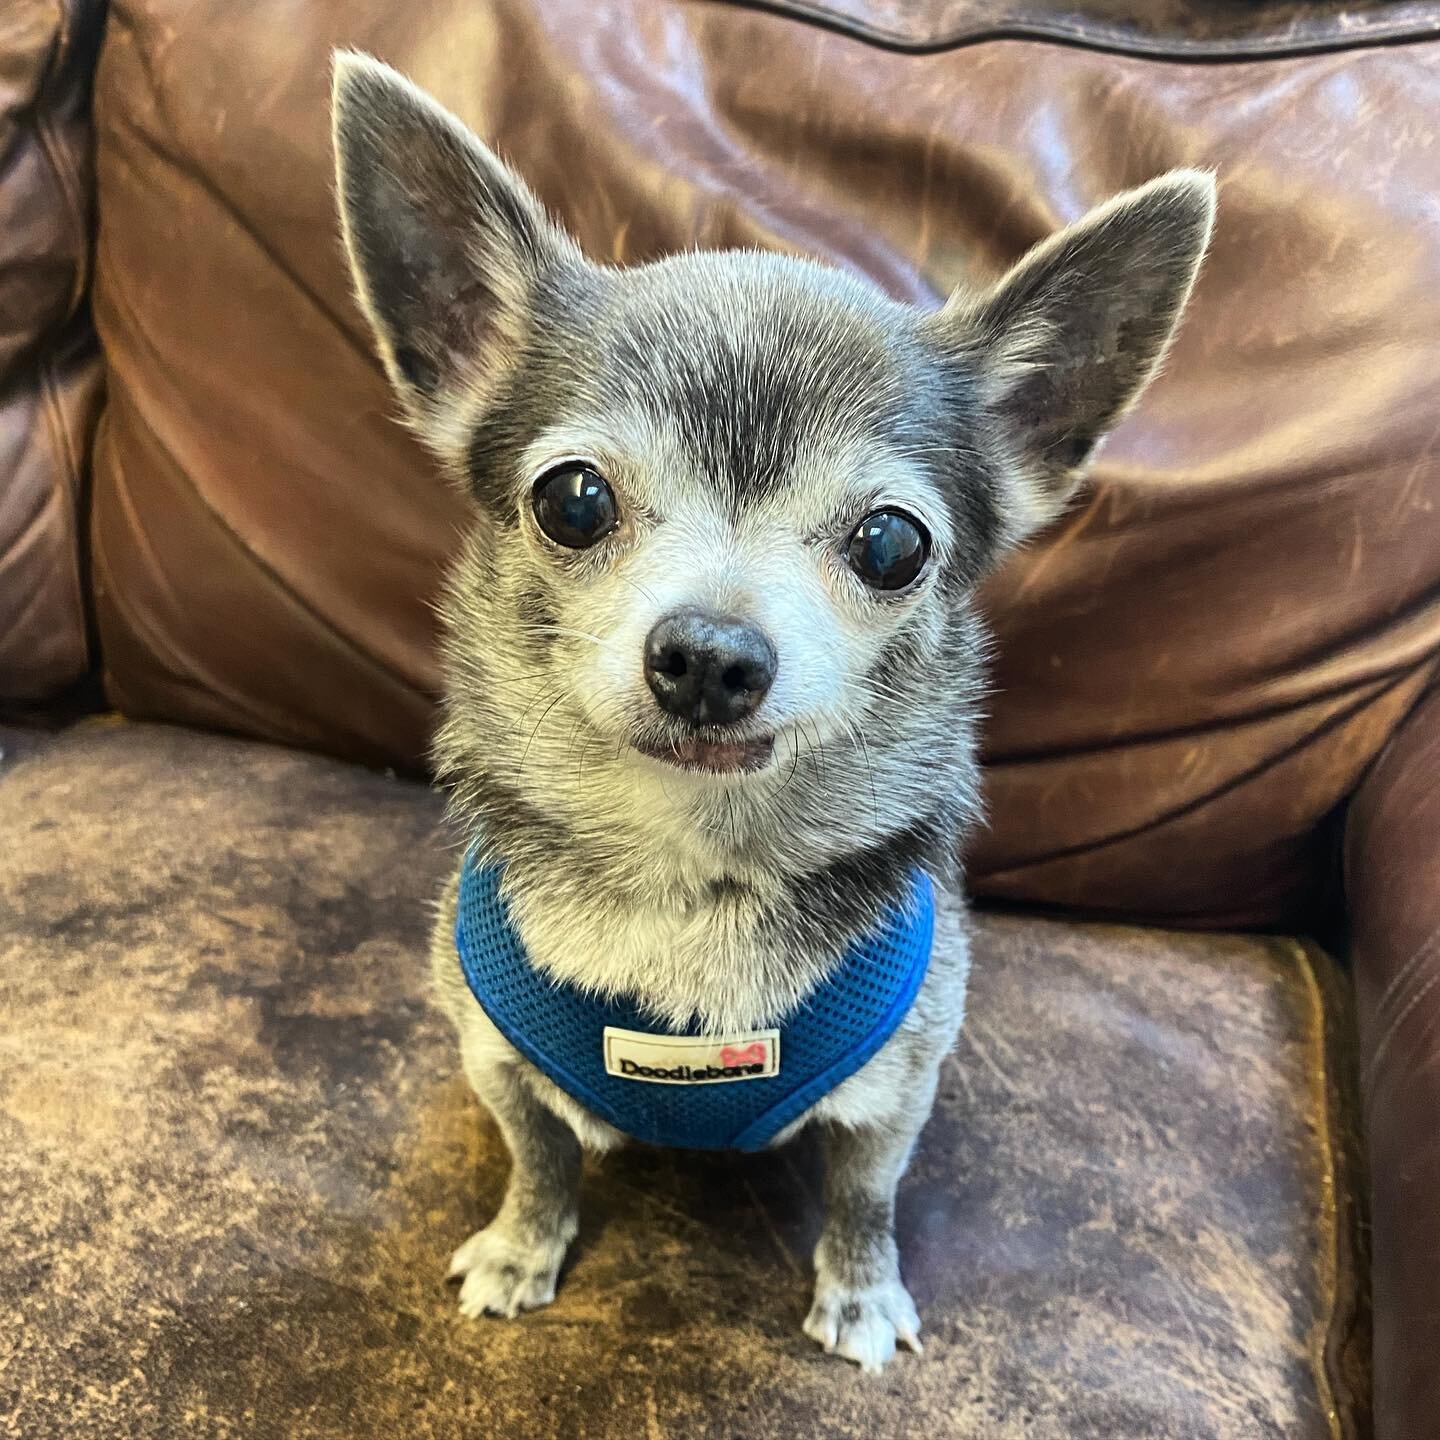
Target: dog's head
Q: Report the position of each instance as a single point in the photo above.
(730, 508)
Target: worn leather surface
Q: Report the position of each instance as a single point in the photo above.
(50, 374)
(1195, 666)
(235, 1151)
(1393, 889)
(1186, 28)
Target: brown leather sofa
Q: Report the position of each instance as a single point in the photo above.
(1182, 1153)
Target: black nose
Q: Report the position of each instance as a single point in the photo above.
(708, 669)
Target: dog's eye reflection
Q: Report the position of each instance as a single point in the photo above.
(575, 506)
(888, 550)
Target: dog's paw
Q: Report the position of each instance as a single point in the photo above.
(863, 1324)
(503, 1275)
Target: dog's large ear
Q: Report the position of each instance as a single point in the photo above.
(1072, 335)
(446, 242)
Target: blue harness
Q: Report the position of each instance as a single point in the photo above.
(709, 1093)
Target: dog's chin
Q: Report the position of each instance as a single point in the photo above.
(697, 755)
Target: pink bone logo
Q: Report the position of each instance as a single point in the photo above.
(753, 1054)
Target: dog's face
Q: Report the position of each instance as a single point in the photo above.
(731, 508)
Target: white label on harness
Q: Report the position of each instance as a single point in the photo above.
(691, 1059)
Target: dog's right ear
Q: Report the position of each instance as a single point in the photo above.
(446, 243)
(1070, 338)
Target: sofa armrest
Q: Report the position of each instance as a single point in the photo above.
(50, 368)
(1392, 865)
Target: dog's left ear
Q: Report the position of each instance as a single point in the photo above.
(446, 243)
(1072, 335)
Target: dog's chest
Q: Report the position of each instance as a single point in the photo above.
(715, 956)
(688, 1086)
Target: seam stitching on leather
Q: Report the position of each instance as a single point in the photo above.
(1056, 32)
(1328, 1255)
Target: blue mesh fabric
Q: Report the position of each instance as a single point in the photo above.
(560, 1029)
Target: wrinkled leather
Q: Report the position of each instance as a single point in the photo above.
(1183, 28)
(50, 373)
(1195, 665)
(1393, 888)
(238, 1152)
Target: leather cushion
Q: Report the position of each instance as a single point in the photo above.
(50, 372)
(1392, 866)
(238, 1151)
(1195, 665)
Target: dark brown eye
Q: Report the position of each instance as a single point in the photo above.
(575, 506)
(888, 550)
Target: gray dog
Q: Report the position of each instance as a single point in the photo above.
(713, 661)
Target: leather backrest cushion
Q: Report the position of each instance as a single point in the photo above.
(50, 374)
(1177, 28)
(1195, 664)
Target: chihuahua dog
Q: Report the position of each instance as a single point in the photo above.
(712, 654)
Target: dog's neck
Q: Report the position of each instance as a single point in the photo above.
(702, 908)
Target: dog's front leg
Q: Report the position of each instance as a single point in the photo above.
(513, 1263)
(861, 1306)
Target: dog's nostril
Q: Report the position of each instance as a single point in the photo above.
(708, 669)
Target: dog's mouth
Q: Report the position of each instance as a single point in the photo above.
(718, 757)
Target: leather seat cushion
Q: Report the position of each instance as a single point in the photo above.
(238, 1151)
